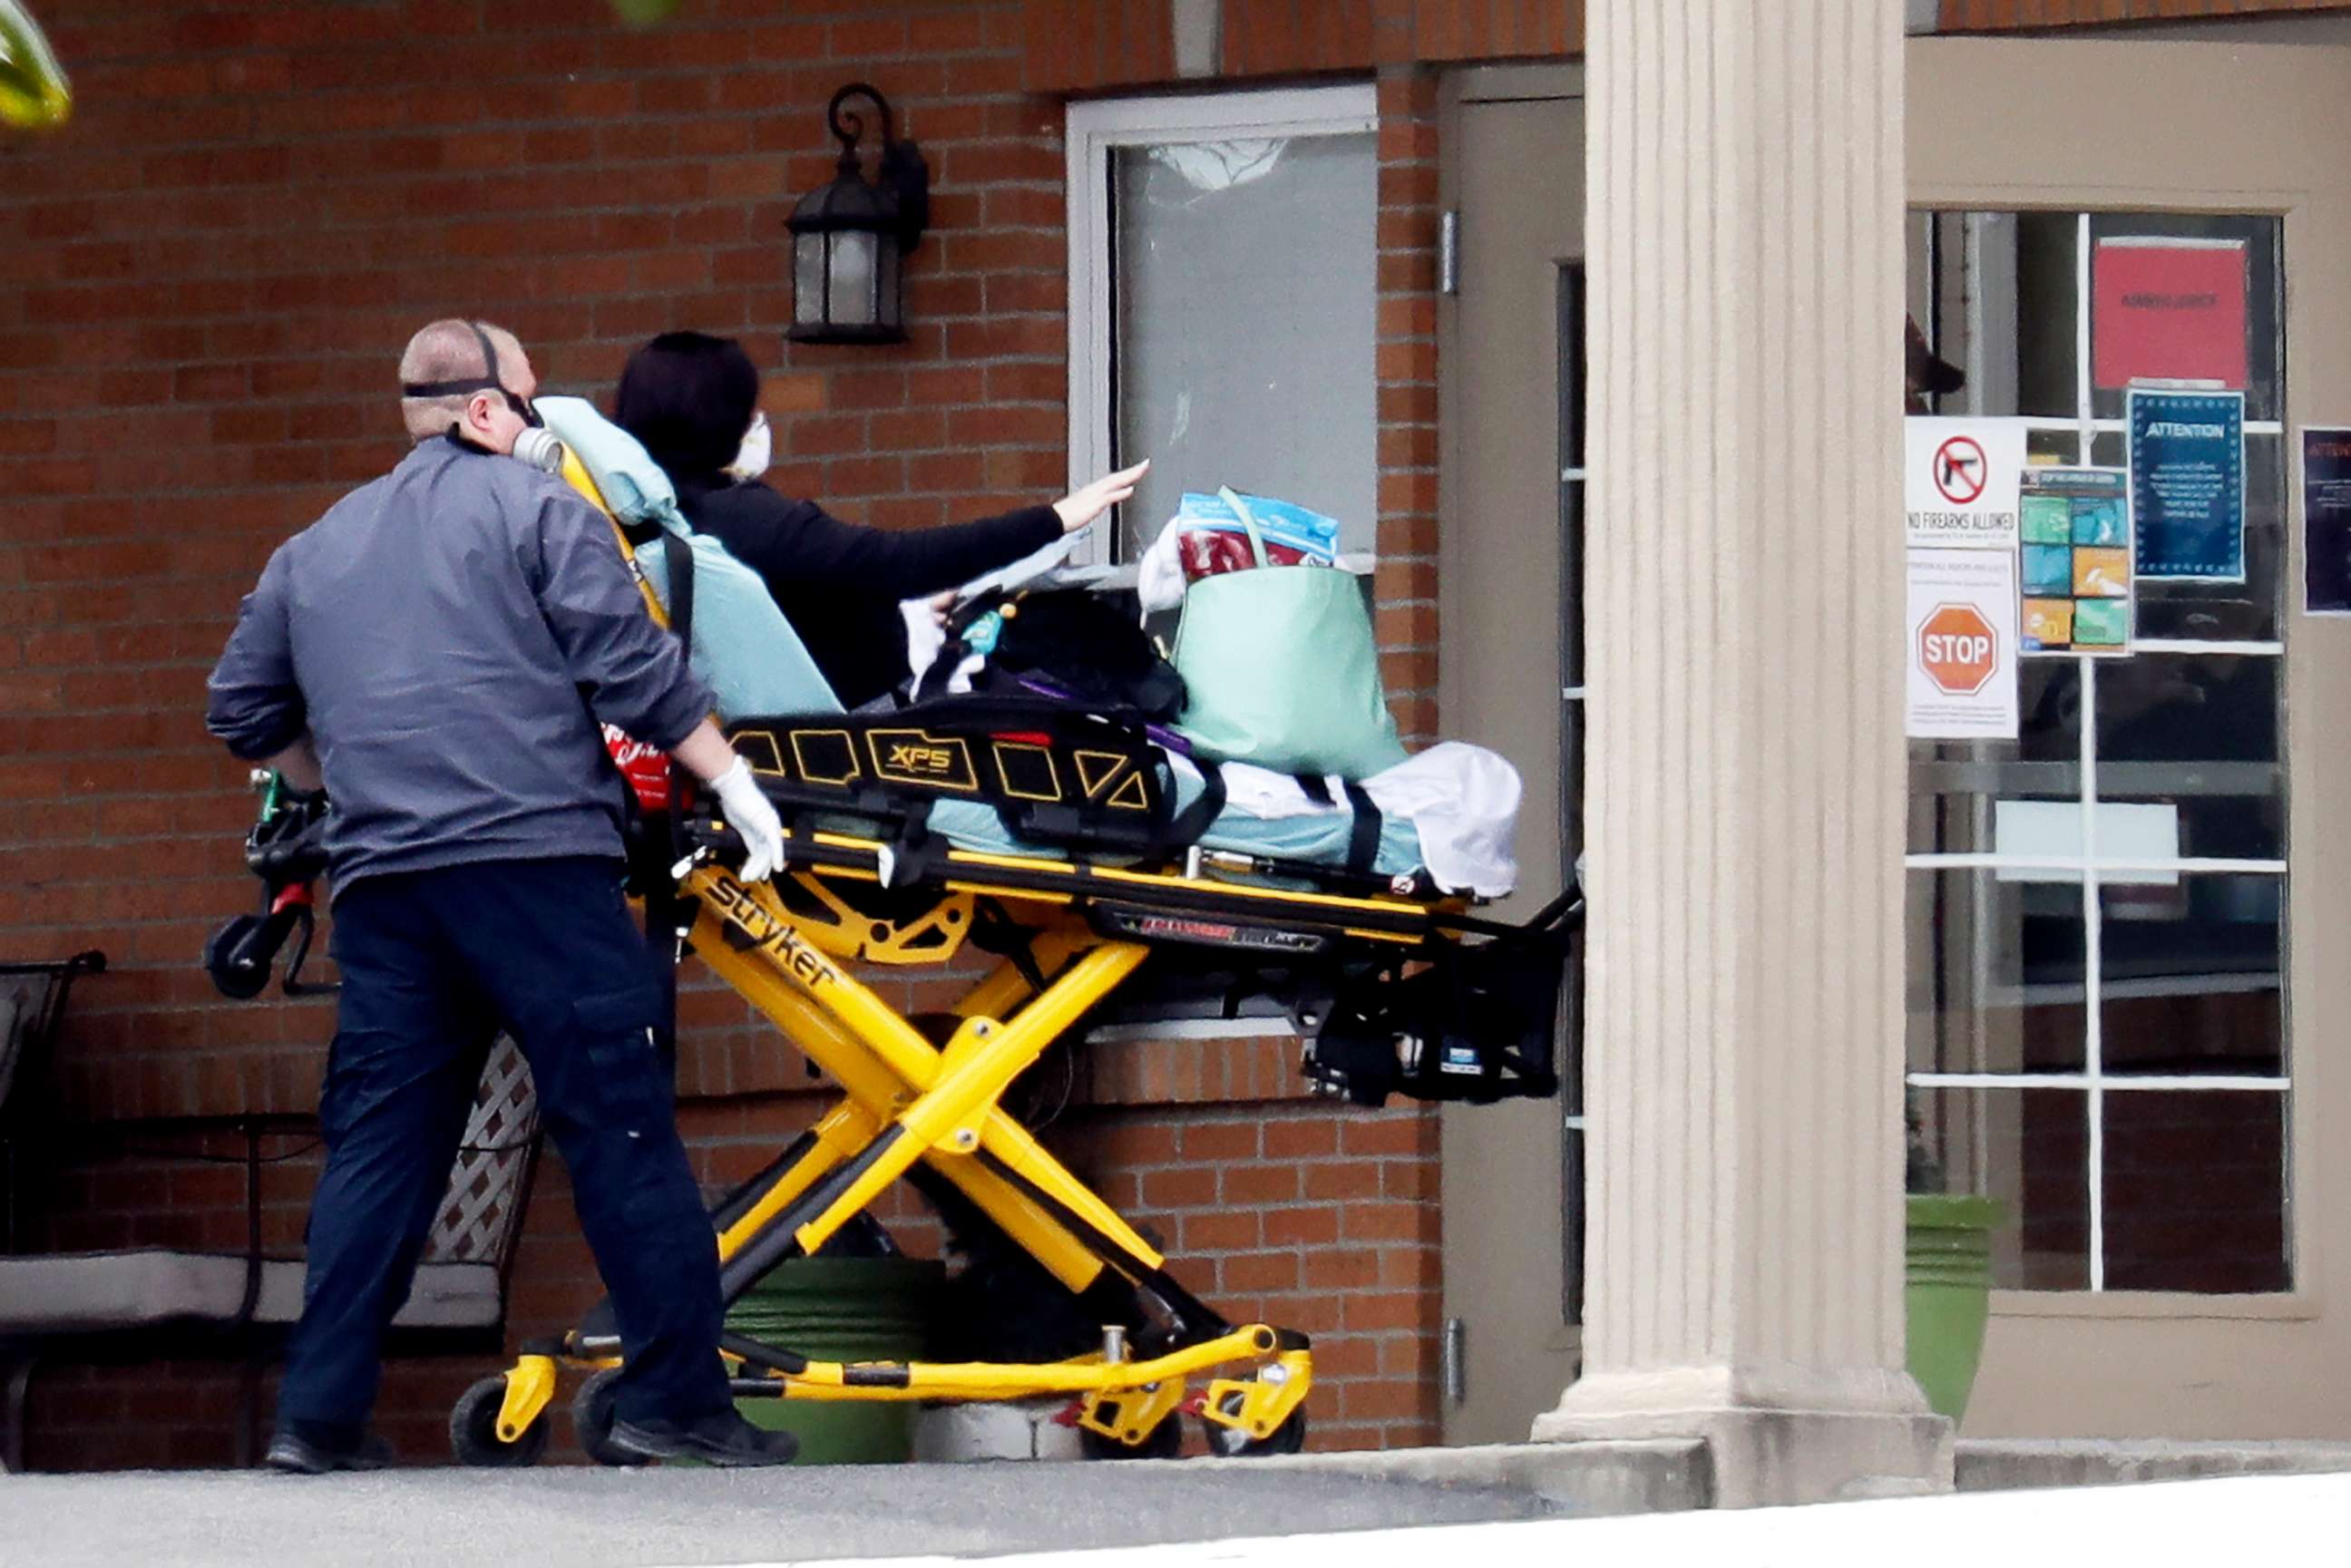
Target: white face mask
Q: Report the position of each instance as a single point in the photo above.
(751, 457)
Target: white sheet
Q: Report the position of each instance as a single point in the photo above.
(1463, 799)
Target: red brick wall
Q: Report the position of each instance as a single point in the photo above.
(1078, 45)
(1072, 46)
(1406, 365)
(215, 264)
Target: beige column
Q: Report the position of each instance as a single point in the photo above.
(1745, 813)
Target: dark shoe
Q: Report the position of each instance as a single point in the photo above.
(300, 1456)
(725, 1439)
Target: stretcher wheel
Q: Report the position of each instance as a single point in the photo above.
(1163, 1442)
(1232, 1443)
(591, 1420)
(473, 1430)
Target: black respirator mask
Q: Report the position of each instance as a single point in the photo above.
(536, 445)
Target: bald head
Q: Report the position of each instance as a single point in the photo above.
(451, 350)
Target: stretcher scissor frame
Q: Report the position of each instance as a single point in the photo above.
(910, 1106)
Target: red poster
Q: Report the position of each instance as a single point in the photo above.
(2163, 310)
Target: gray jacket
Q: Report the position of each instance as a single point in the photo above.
(443, 633)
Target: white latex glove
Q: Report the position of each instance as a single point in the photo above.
(748, 812)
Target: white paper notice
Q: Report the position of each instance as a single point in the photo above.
(1960, 479)
(1960, 647)
(2057, 830)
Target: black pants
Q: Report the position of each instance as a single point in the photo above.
(434, 964)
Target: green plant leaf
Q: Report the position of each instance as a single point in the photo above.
(33, 91)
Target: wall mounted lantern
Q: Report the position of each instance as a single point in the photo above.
(849, 237)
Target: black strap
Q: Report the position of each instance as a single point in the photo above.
(487, 381)
(1364, 834)
(1364, 830)
(671, 912)
(1185, 828)
(677, 556)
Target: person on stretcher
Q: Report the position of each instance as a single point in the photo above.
(693, 402)
(1449, 811)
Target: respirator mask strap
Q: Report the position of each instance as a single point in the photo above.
(536, 445)
(491, 381)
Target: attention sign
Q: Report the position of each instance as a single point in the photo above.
(2187, 483)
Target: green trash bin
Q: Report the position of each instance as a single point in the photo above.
(843, 1309)
(1948, 1293)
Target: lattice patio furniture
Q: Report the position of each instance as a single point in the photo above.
(153, 1304)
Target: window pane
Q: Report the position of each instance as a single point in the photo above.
(2059, 446)
(1246, 320)
(2195, 1191)
(1999, 303)
(2190, 976)
(1995, 974)
(1955, 783)
(2029, 1148)
(2200, 732)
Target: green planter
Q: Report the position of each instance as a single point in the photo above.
(1948, 1293)
(843, 1309)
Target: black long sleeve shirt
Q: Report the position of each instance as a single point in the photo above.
(840, 583)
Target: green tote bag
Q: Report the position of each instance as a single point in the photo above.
(1280, 669)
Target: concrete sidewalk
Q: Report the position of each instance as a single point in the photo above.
(586, 1518)
(1194, 1514)
(2171, 1524)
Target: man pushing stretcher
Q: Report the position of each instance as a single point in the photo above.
(423, 652)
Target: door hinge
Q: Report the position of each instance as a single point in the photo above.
(1453, 1361)
(1449, 251)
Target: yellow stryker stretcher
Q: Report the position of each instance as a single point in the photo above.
(1097, 885)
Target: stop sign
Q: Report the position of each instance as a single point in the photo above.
(1957, 649)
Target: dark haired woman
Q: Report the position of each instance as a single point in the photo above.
(692, 401)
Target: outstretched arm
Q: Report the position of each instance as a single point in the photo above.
(808, 545)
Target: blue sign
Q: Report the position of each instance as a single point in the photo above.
(2326, 519)
(2187, 483)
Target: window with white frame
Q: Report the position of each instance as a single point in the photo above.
(2097, 1018)
(1223, 266)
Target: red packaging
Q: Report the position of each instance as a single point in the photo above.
(1206, 552)
(646, 768)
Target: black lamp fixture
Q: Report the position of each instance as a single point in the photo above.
(849, 237)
